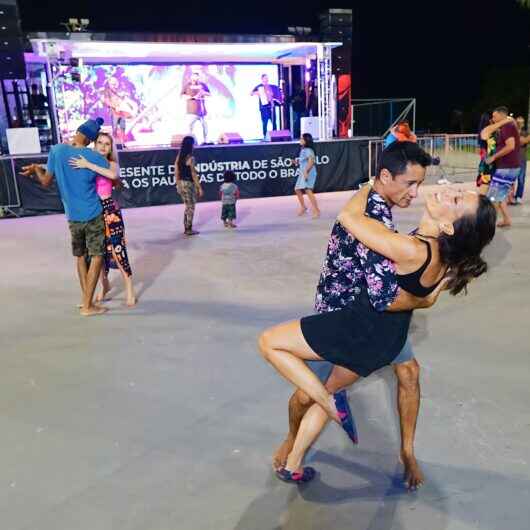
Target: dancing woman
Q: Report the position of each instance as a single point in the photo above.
(308, 175)
(187, 182)
(116, 256)
(454, 229)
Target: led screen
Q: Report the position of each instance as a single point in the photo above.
(148, 97)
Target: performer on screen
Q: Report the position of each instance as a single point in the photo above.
(121, 106)
(269, 97)
(195, 92)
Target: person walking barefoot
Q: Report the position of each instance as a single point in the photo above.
(307, 177)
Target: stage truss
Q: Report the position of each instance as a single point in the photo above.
(286, 54)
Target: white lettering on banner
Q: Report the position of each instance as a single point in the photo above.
(213, 171)
(142, 171)
(140, 183)
(215, 166)
(288, 172)
(251, 175)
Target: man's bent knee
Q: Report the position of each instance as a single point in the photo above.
(408, 374)
(301, 399)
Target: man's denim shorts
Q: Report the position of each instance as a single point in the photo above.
(322, 369)
(501, 183)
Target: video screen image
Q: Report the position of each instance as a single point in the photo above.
(145, 102)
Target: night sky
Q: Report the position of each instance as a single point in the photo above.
(466, 55)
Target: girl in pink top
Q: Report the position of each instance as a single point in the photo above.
(116, 256)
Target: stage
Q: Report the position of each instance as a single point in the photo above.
(263, 169)
(164, 417)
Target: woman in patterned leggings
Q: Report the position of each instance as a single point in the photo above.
(187, 181)
(116, 256)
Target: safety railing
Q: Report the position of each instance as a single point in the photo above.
(457, 152)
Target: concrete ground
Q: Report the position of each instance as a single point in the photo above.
(164, 417)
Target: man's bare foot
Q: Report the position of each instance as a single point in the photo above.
(316, 214)
(102, 296)
(504, 224)
(412, 476)
(131, 301)
(92, 311)
(301, 211)
(279, 459)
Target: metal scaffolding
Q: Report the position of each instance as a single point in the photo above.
(325, 95)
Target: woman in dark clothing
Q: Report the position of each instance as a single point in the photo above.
(187, 182)
(454, 229)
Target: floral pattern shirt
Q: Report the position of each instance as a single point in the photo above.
(350, 266)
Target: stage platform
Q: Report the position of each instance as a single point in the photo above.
(164, 417)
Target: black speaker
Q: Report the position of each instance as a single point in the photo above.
(12, 63)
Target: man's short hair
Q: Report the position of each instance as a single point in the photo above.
(502, 109)
(398, 155)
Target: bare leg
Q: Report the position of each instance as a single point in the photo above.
(300, 197)
(105, 286)
(314, 204)
(502, 208)
(285, 348)
(82, 272)
(316, 418)
(88, 308)
(300, 403)
(408, 375)
(131, 296)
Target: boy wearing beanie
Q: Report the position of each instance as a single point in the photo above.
(82, 206)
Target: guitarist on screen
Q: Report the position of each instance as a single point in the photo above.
(122, 107)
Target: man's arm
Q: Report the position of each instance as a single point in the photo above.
(44, 177)
(525, 140)
(490, 129)
(184, 92)
(507, 149)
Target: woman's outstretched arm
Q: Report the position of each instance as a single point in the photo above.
(374, 234)
(110, 172)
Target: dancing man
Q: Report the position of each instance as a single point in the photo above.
(507, 162)
(195, 92)
(269, 96)
(82, 206)
(343, 274)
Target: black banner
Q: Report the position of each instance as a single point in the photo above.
(266, 170)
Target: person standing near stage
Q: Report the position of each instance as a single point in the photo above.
(524, 140)
(307, 175)
(507, 163)
(187, 182)
(82, 206)
(269, 97)
(195, 92)
(116, 256)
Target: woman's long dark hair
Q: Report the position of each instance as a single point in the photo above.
(308, 141)
(484, 121)
(461, 251)
(186, 149)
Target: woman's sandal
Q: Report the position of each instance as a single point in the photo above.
(345, 415)
(296, 477)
